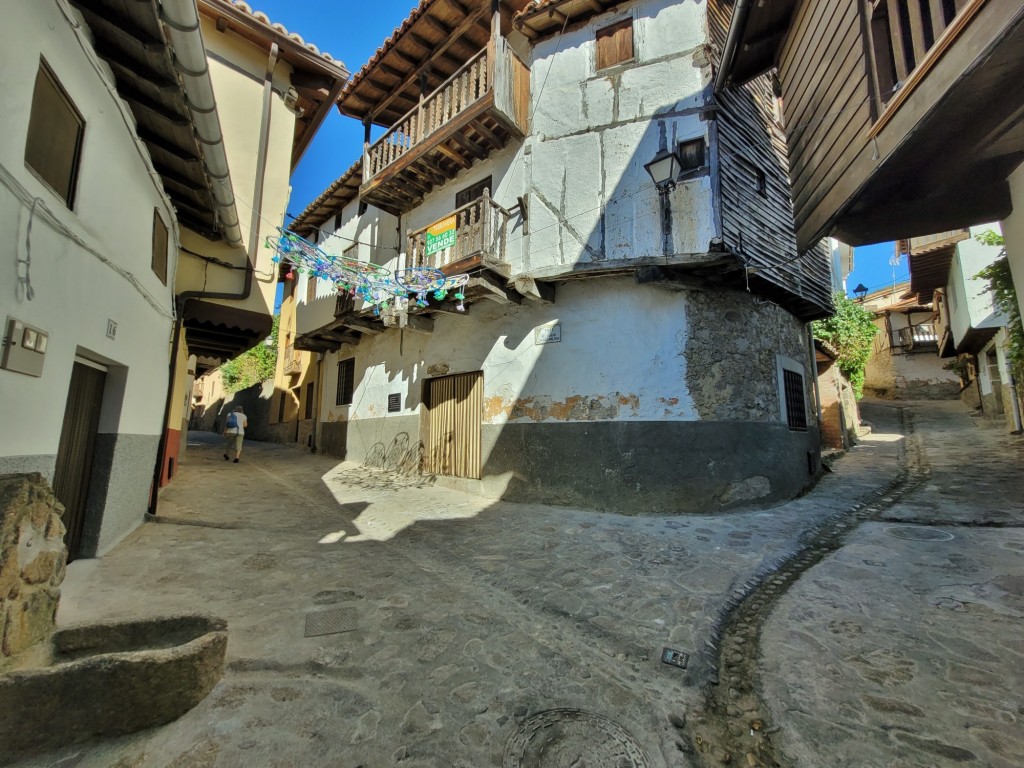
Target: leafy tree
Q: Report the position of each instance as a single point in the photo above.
(253, 366)
(851, 331)
(1004, 296)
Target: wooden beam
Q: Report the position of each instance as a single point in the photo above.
(366, 326)
(155, 140)
(485, 285)
(176, 178)
(419, 323)
(487, 133)
(453, 155)
(426, 58)
(135, 97)
(470, 146)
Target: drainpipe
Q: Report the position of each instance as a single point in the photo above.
(317, 400)
(161, 450)
(814, 378)
(736, 28)
(182, 19)
(215, 148)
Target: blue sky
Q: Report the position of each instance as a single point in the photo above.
(352, 31)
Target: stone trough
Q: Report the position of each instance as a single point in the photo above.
(110, 679)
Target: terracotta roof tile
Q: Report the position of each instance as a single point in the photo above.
(281, 29)
(314, 215)
(387, 45)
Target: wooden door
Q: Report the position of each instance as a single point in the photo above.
(76, 449)
(454, 420)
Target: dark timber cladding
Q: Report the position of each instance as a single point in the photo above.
(824, 71)
(449, 89)
(758, 225)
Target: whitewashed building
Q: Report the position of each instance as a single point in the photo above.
(624, 345)
(138, 176)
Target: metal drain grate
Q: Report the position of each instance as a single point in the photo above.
(917, 533)
(562, 738)
(331, 621)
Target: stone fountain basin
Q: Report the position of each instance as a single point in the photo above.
(110, 679)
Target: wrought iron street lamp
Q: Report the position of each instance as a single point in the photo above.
(860, 291)
(664, 168)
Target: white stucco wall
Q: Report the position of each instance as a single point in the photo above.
(591, 199)
(639, 375)
(76, 293)
(973, 301)
(1013, 233)
(375, 237)
(238, 89)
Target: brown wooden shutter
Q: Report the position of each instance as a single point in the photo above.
(159, 247)
(615, 44)
(55, 131)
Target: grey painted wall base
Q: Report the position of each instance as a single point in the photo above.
(122, 473)
(643, 467)
(625, 466)
(23, 465)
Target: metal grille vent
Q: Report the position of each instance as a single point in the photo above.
(394, 403)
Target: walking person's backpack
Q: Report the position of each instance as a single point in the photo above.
(232, 422)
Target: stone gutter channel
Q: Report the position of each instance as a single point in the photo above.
(733, 726)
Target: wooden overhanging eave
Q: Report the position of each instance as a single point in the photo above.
(548, 17)
(130, 39)
(436, 40)
(757, 33)
(466, 138)
(330, 203)
(317, 78)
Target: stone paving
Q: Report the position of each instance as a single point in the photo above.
(483, 633)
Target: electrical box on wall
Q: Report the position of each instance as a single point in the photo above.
(24, 348)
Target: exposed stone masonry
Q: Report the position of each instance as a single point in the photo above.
(32, 563)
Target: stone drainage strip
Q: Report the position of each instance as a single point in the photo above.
(733, 727)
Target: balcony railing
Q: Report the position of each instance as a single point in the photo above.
(453, 96)
(474, 112)
(481, 229)
(903, 32)
(292, 360)
(914, 338)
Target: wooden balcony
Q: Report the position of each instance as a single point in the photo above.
(481, 231)
(473, 113)
(292, 361)
(915, 338)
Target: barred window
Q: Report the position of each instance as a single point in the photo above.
(796, 408)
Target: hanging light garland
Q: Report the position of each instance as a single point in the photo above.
(372, 283)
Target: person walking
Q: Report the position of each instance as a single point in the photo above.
(234, 433)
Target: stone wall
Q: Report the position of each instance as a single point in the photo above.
(32, 563)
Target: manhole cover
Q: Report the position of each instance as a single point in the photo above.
(564, 738)
(331, 621)
(916, 533)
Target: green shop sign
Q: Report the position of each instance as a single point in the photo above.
(440, 235)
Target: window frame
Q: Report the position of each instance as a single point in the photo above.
(159, 260)
(74, 172)
(796, 422)
(346, 381)
(466, 193)
(607, 32)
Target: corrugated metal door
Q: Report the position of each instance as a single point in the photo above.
(75, 452)
(454, 420)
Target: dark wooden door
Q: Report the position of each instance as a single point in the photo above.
(454, 420)
(76, 450)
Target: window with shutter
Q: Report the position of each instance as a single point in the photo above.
(615, 44)
(346, 381)
(159, 247)
(55, 130)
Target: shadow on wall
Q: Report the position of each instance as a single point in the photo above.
(403, 455)
(256, 404)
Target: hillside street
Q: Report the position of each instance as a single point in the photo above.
(887, 603)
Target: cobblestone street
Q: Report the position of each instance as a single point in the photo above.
(887, 603)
